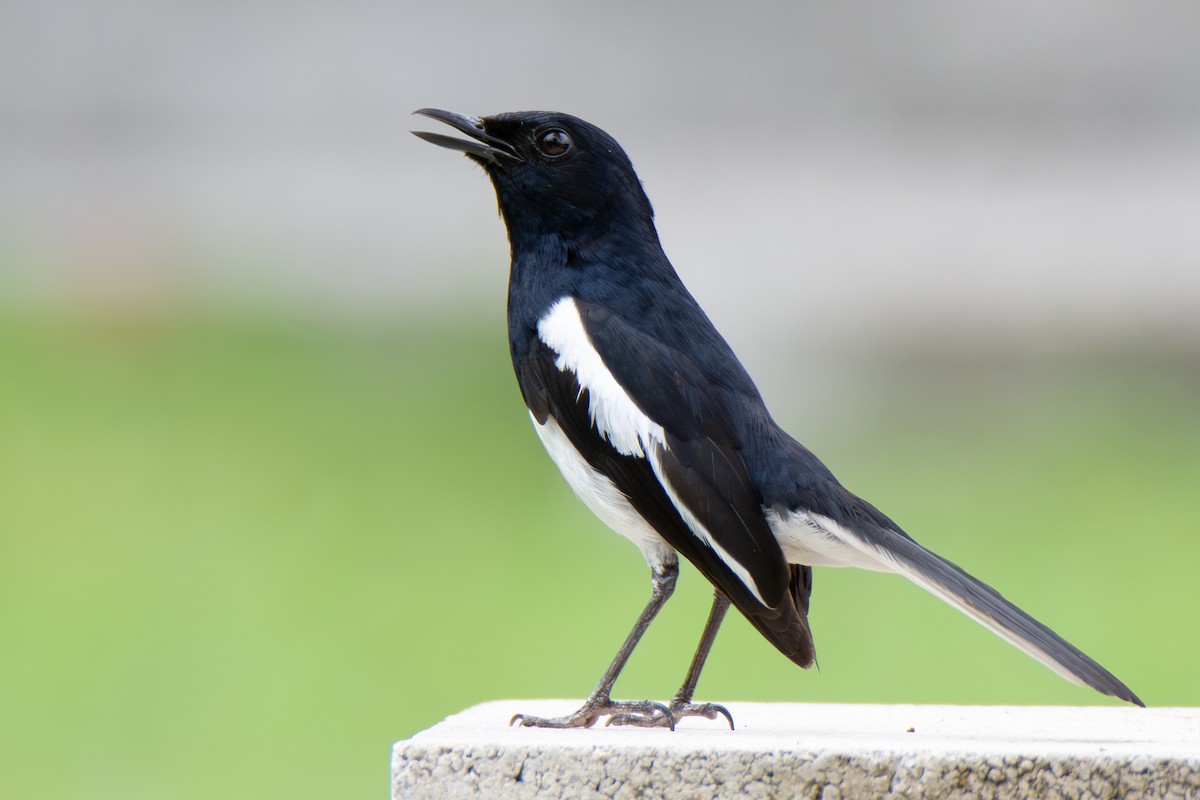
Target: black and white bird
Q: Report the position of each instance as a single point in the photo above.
(658, 429)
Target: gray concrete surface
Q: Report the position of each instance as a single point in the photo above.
(812, 751)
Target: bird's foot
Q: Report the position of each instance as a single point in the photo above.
(678, 710)
(654, 714)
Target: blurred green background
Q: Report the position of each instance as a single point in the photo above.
(241, 557)
(269, 499)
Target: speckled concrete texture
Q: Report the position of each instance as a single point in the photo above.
(812, 751)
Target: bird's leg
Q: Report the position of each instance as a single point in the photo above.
(599, 703)
(682, 705)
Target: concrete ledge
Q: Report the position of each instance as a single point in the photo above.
(811, 751)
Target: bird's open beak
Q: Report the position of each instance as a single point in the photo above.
(485, 147)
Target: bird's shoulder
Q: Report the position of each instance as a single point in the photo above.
(664, 354)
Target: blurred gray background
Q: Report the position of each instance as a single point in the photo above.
(834, 172)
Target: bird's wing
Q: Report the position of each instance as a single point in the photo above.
(644, 416)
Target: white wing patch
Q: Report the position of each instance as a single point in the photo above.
(613, 412)
(627, 428)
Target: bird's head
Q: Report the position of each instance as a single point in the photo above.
(553, 173)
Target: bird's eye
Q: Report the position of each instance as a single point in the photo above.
(554, 142)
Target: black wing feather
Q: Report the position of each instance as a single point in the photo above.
(702, 463)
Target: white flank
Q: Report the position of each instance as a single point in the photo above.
(601, 495)
(884, 560)
(613, 412)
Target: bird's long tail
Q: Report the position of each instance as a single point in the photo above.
(988, 607)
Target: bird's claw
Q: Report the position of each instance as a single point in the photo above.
(706, 710)
(639, 714)
(655, 715)
(645, 713)
(675, 712)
